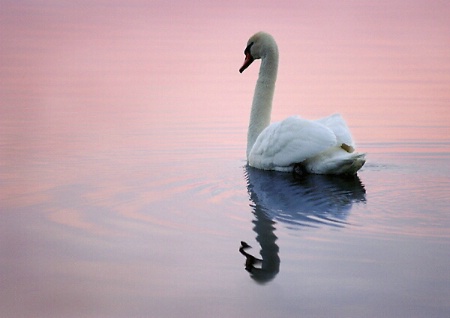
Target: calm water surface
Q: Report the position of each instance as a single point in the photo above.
(124, 186)
(135, 227)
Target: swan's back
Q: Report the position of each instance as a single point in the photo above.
(290, 141)
(324, 146)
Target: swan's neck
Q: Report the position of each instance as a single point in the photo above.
(262, 99)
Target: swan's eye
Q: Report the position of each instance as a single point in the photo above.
(247, 49)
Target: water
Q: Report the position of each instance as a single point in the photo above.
(124, 186)
(133, 229)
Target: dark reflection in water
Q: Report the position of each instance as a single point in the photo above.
(312, 201)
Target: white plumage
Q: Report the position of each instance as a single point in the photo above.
(323, 146)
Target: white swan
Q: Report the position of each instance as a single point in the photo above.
(323, 146)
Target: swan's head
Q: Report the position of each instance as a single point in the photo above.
(244, 245)
(257, 47)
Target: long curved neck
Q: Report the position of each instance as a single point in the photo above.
(262, 99)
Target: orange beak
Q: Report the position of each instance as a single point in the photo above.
(248, 60)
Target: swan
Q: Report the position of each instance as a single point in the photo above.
(323, 146)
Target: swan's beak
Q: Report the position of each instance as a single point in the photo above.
(248, 60)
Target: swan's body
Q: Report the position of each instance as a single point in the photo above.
(323, 146)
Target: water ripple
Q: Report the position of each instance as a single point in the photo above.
(313, 201)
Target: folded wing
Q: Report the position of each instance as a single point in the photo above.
(340, 129)
(291, 141)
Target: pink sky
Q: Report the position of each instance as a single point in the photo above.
(384, 65)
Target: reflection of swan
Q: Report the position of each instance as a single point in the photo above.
(324, 146)
(264, 269)
(250, 260)
(311, 201)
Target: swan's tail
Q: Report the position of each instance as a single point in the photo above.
(338, 162)
(350, 166)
